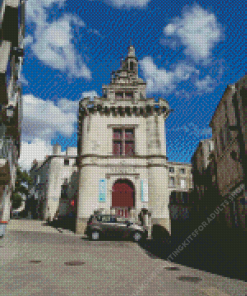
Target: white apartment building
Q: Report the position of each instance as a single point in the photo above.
(55, 183)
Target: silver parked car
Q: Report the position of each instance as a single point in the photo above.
(112, 226)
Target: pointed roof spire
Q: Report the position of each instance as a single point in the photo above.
(131, 50)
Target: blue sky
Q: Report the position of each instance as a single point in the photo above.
(188, 53)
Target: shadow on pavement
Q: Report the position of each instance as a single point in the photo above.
(65, 223)
(219, 255)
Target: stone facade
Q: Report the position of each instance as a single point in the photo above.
(55, 183)
(12, 27)
(229, 132)
(121, 144)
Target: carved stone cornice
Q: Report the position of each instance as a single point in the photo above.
(144, 108)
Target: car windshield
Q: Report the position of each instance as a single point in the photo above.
(121, 219)
(106, 218)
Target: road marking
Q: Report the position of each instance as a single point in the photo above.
(213, 292)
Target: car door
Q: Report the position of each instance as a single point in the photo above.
(107, 225)
(121, 227)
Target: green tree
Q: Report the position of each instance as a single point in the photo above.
(23, 180)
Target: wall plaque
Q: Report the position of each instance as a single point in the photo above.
(144, 190)
(102, 190)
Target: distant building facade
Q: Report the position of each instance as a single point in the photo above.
(180, 176)
(180, 184)
(55, 185)
(12, 31)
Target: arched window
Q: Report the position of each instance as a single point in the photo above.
(131, 66)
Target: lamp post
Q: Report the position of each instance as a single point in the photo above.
(10, 111)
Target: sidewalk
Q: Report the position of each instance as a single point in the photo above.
(8, 249)
(35, 225)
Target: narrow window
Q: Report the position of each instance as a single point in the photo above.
(129, 95)
(119, 95)
(131, 66)
(222, 140)
(182, 171)
(171, 169)
(172, 182)
(183, 183)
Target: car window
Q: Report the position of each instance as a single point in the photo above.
(106, 219)
(99, 218)
(113, 220)
(120, 219)
(90, 219)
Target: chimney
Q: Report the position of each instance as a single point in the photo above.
(56, 149)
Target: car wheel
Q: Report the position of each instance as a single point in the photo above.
(95, 235)
(137, 236)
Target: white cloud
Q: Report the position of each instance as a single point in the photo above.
(128, 3)
(36, 9)
(161, 80)
(91, 94)
(193, 130)
(205, 84)
(206, 132)
(23, 80)
(52, 42)
(37, 149)
(28, 40)
(197, 29)
(43, 119)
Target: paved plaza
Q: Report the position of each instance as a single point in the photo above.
(39, 260)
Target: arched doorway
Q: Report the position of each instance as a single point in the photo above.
(123, 197)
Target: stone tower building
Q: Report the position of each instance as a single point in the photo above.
(122, 150)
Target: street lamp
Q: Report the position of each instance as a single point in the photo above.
(10, 111)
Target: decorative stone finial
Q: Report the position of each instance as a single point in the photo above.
(131, 51)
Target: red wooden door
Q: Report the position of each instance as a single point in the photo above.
(122, 197)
